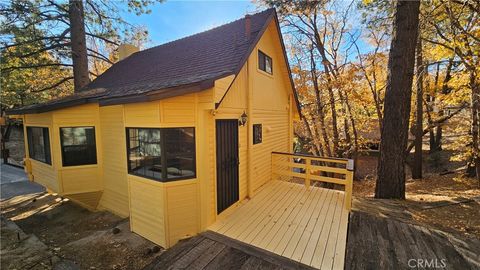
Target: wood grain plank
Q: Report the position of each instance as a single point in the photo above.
(339, 258)
(244, 215)
(279, 243)
(317, 230)
(308, 231)
(282, 223)
(206, 257)
(273, 218)
(323, 239)
(329, 254)
(249, 221)
(224, 223)
(192, 255)
(292, 244)
(229, 258)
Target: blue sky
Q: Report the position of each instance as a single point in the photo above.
(172, 20)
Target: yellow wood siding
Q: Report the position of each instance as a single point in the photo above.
(45, 175)
(237, 95)
(77, 116)
(147, 209)
(182, 210)
(178, 111)
(115, 185)
(43, 119)
(221, 86)
(275, 138)
(145, 114)
(206, 97)
(270, 91)
(270, 107)
(80, 180)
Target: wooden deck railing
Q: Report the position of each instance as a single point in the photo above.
(287, 166)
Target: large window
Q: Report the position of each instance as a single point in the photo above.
(78, 146)
(39, 144)
(163, 154)
(265, 62)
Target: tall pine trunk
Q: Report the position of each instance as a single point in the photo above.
(417, 157)
(475, 106)
(79, 45)
(398, 94)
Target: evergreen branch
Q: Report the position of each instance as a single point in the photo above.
(53, 85)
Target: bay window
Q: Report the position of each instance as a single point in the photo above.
(162, 154)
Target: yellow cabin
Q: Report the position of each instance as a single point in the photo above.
(173, 137)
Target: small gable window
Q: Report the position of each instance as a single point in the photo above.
(265, 62)
(78, 146)
(39, 144)
(257, 133)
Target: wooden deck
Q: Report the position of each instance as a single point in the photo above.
(305, 225)
(212, 251)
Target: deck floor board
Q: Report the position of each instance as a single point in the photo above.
(305, 225)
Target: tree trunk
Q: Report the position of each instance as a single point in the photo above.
(317, 148)
(321, 114)
(431, 101)
(417, 158)
(336, 139)
(79, 45)
(475, 103)
(445, 91)
(398, 94)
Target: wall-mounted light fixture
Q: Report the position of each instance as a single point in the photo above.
(243, 119)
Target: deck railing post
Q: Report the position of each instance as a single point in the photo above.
(349, 185)
(307, 172)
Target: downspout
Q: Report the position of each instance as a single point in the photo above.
(249, 131)
(27, 164)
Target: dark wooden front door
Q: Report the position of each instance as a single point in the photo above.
(227, 163)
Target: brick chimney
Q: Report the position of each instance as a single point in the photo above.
(248, 26)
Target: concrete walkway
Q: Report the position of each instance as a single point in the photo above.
(14, 182)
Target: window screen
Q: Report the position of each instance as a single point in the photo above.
(39, 144)
(78, 146)
(265, 62)
(163, 154)
(257, 133)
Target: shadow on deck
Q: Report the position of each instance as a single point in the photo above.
(386, 243)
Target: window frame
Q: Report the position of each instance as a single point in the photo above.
(61, 146)
(261, 134)
(163, 154)
(265, 56)
(48, 160)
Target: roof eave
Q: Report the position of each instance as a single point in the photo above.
(47, 107)
(160, 94)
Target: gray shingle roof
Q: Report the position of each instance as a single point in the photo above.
(191, 63)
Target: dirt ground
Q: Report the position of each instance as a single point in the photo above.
(449, 202)
(69, 236)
